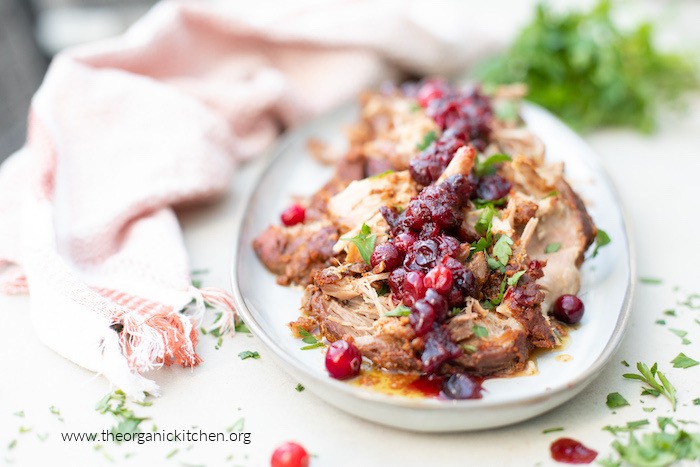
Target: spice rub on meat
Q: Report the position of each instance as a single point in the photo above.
(431, 247)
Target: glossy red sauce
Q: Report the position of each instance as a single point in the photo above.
(428, 386)
(570, 451)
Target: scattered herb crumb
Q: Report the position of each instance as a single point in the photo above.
(12, 444)
(364, 241)
(25, 429)
(650, 280)
(624, 363)
(680, 333)
(237, 426)
(54, 410)
(248, 354)
(660, 321)
(615, 400)
(172, 453)
(310, 339)
(648, 409)
(480, 331)
(299, 387)
(552, 430)
(683, 361)
(400, 310)
(114, 403)
(42, 436)
(552, 247)
(241, 327)
(696, 401)
(670, 312)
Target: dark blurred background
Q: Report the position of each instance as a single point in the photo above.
(31, 32)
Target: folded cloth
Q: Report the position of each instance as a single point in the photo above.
(123, 130)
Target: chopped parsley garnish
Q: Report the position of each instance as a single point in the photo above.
(455, 311)
(248, 354)
(56, 412)
(660, 321)
(502, 249)
(670, 312)
(664, 447)
(649, 375)
(238, 425)
(299, 387)
(172, 453)
(615, 400)
(241, 327)
(483, 225)
(629, 427)
(683, 361)
(114, 403)
(427, 140)
(488, 166)
(310, 339)
(480, 331)
(624, 363)
(689, 302)
(601, 239)
(696, 401)
(468, 348)
(501, 291)
(680, 333)
(381, 175)
(400, 310)
(364, 241)
(552, 430)
(650, 280)
(482, 203)
(552, 247)
(19, 414)
(513, 281)
(383, 290)
(648, 409)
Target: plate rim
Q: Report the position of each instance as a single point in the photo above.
(272, 155)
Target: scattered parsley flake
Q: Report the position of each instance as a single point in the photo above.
(670, 312)
(248, 354)
(12, 444)
(683, 361)
(114, 403)
(468, 348)
(649, 375)
(696, 401)
(660, 321)
(513, 281)
(680, 333)
(502, 249)
(381, 175)
(241, 327)
(42, 436)
(650, 280)
(400, 310)
(480, 331)
(238, 425)
(172, 453)
(615, 400)
(310, 339)
(25, 429)
(483, 225)
(552, 247)
(624, 363)
(650, 392)
(54, 410)
(690, 302)
(299, 387)
(488, 166)
(383, 290)
(552, 430)
(601, 239)
(364, 241)
(648, 409)
(19, 414)
(427, 140)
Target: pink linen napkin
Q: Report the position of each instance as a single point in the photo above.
(123, 130)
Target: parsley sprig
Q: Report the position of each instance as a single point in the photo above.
(400, 310)
(649, 376)
(488, 166)
(364, 241)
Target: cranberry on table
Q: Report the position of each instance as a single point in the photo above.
(570, 451)
(289, 454)
(343, 360)
(293, 215)
(388, 253)
(568, 309)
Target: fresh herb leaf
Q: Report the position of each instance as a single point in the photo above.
(364, 241)
(468, 348)
(310, 339)
(502, 249)
(584, 68)
(383, 290)
(615, 400)
(483, 225)
(552, 247)
(683, 361)
(649, 375)
(241, 327)
(248, 354)
(488, 166)
(696, 401)
(670, 312)
(660, 321)
(648, 409)
(427, 140)
(650, 280)
(381, 175)
(513, 281)
(482, 203)
(299, 387)
(400, 310)
(501, 291)
(552, 430)
(455, 311)
(480, 331)
(601, 239)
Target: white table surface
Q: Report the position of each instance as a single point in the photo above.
(658, 178)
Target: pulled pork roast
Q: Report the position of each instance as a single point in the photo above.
(458, 280)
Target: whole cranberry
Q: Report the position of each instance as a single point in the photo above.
(413, 287)
(461, 386)
(568, 309)
(293, 215)
(343, 360)
(429, 91)
(422, 317)
(289, 454)
(405, 241)
(388, 253)
(396, 281)
(439, 278)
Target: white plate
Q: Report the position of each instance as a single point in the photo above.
(606, 289)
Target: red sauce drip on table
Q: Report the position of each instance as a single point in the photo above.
(570, 451)
(429, 386)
